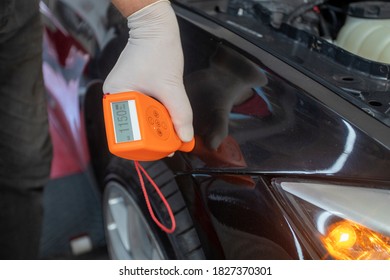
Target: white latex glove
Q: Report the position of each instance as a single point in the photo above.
(152, 63)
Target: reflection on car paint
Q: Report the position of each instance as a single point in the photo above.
(277, 129)
(280, 130)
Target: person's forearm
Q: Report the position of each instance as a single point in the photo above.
(128, 7)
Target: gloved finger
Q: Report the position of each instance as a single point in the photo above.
(180, 110)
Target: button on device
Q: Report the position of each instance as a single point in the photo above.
(158, 119)
(156, 113)
(164, 125)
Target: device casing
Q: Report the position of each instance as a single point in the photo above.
(158, 136)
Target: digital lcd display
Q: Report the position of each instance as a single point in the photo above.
(125, 119)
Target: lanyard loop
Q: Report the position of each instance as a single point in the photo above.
(141, 170)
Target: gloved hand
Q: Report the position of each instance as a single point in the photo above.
(152, 63)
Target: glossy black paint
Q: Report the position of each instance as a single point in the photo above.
(255, 120)
(279, 126)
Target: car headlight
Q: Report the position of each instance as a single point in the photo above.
(339, 221)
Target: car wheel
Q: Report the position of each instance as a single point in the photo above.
(130, 231)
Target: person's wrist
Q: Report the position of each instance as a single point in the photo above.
(143, 8)
(158, 15)
(154, 21)
(126, 8)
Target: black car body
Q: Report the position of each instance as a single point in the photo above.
(292, 143)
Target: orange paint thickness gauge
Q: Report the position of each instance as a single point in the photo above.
(139, 127)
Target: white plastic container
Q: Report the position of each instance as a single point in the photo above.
(366, 31)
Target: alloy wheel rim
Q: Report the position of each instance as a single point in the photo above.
(128, 234)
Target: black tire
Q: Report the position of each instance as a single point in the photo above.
(122, 181)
